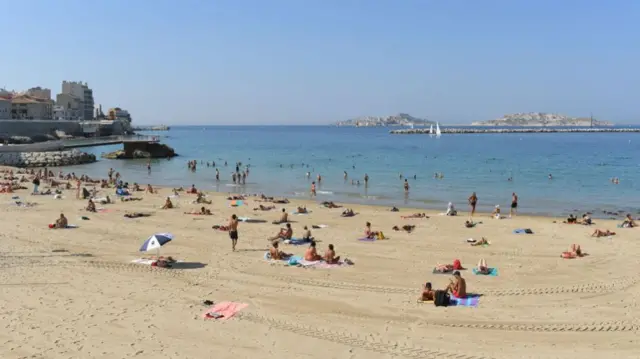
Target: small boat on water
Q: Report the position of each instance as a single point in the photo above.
(438, 133)
(431, 131)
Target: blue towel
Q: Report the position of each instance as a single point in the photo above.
(493, 272)
(299, 241)
(293, 260)
(471, 300)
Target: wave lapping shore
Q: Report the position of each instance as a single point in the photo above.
(423, 131)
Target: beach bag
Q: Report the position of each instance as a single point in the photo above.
(441, 298)
(456, 264)
(381, 236)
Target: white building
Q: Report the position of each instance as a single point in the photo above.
(5, 109)
(84, 93)
(72, 107)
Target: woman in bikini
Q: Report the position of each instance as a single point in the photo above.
(601, 233)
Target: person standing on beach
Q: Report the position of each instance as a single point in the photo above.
(233, 231)
(473, 200)
(514, 204)
(78, 189)
(313, 189)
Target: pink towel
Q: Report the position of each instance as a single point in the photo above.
(226, 309)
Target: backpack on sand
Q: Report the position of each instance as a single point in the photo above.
(441, 298)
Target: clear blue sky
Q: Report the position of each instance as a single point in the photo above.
(319, 61)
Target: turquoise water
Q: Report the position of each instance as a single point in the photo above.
(581, 166)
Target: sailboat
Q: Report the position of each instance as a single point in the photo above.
(431, 130)
(438, 133)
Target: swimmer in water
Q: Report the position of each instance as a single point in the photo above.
(550, 176)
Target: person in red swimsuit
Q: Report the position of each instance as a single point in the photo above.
(458, 286)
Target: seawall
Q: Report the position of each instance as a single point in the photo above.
(45, 159)
(38, 127)
(514, 130)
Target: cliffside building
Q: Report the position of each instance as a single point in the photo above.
(25, 107)
(84, 93)
(5, 109)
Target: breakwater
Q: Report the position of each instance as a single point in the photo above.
(425, 131)
(152, 128)
(45, 159)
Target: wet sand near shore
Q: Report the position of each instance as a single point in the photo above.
(73, 293)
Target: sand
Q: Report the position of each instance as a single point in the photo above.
(73, 293)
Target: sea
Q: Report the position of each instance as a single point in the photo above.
(552, 173)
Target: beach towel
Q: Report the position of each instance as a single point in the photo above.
(251, 220)
(298, 241)
(435, 271)
(470, 300)
(143, 261)
(320, 264)
(300, 214)
(366, 239)
(224, 310)
(319, 226)
(522, 231)
(236, 203)
(493, 272)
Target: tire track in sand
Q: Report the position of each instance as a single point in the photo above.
(349, 339)
(609, 326)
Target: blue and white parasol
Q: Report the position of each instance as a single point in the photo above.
(156, 241)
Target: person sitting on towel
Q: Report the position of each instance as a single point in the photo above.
(601, 233)
(457, 286)
(168, 204)
(330, 255)
(496, 212)
(307, 234)
(586, 220)
(277, 254)
(91, 207)
(571, 219)
(150, 189)
(61, 222)
(427, 293)
(201, 199)
(368, 233)
(193, 189)
(482, 267)
(284, 217)
(311, 254)
(451, 210)
(284, 233)
(628, 222)
(302, 210)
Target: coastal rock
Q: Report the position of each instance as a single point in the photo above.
(45, 159)
(149, 150)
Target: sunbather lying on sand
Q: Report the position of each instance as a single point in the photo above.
(130, 199)
(284, 217)
(601, 233)
(168, 204)
(330, 204)
(427, 293)
(136, 215)
(573, 252)
(330, 255)
(469, 224)
(416, 215)
(281, 201)
(302, 210)
(236, 198)
(104, 200)
(221, 228)
(347, 213)
(264, 208)
(446, 268)
(482, 267)
(407, 228)
(284, 233)
(481, 242)
(91, 207)
(203, 212)
(311, 254)
(277, 254)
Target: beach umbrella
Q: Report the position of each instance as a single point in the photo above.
(156, 241)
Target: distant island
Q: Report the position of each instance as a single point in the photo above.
(401, 119)
(541, 119)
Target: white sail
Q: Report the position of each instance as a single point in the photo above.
(438, 133)
(431, 130)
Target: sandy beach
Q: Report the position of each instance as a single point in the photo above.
(74, 293)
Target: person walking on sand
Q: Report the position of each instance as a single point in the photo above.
(514, 204)
(233, 231)
(78, 189)
(473, 201)
(313, 189)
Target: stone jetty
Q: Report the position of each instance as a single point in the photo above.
(45, 159)
(152, 128)
(425, 131)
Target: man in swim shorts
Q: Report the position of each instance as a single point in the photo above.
(514, 204)
(233, 231)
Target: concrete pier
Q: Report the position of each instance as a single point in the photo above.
(470, 130)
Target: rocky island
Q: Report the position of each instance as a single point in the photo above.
(535, 119)
(401, 119)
